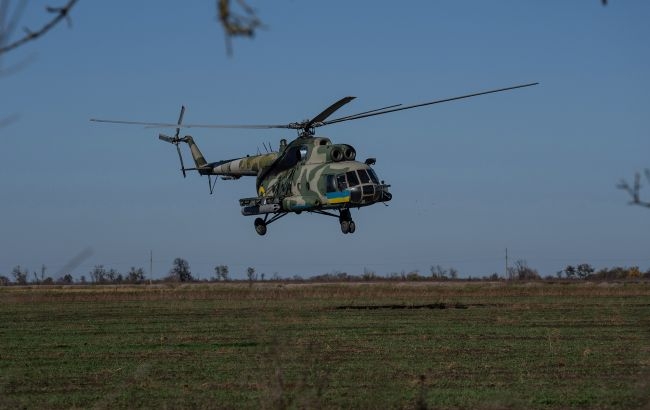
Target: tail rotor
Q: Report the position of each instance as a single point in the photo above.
(177, 140)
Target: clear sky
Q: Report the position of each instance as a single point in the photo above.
(532, 170)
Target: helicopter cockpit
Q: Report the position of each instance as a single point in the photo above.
(362, 184)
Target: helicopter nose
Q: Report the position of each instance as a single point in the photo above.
(382, 191)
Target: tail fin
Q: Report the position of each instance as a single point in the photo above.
(197, 156)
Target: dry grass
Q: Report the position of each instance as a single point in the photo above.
(361, 345)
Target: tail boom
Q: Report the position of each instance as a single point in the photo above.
(245, 166)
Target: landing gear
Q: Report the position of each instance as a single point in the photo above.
(260, 224)
(347, 224)
(344, 216)
(348, 227)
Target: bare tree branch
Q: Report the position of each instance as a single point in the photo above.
(635, 189)
(8, 25)
(60, 13)
(235, 24)
(242, 24)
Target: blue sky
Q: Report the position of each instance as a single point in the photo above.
(532, 170)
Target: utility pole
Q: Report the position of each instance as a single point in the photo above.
(150, 264)
(506, 275)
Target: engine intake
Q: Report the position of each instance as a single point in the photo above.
(341, 152)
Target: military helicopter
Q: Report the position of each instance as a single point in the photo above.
(308, 174)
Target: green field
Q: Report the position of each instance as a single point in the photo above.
(358, 345)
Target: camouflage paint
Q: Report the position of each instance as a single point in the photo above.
(296, 177)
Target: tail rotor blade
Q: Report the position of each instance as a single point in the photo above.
(180, 120)
(176, 140)
(181, 158)
(166, 138)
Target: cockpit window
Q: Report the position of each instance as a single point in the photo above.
(352, 178)
(373, 176)
(363, 176)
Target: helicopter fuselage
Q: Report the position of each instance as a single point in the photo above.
(309, 174)
(312, 173)
(312, 187)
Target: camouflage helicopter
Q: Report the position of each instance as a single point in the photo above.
(308, 174)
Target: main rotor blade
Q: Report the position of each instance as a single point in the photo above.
(317, 121)
(153, 124)
(328, 111)
(170, 125)
(231, 126)
(368, 112)
(408, 107)
(294, 125)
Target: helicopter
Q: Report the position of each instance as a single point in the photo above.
(308, 174)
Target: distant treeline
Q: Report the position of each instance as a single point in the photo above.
(181, 272)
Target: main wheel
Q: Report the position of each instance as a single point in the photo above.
(345, 227)
(260, 226)
(352, 227)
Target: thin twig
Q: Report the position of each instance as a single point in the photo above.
(634, 190)
(61, 13)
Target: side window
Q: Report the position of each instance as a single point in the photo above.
(352, 178)
(363, 175)
(303, 152)
(331, 183)
(342, 184)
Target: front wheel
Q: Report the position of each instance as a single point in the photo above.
(260, 226)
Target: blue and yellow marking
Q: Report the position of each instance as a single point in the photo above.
(338, 197)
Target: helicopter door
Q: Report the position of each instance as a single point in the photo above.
(341, 183)
(331, 184)
(336, 189)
